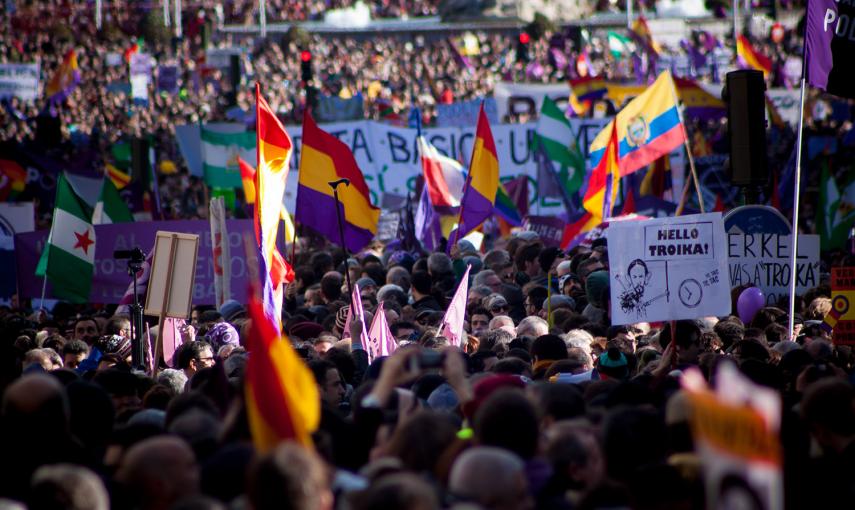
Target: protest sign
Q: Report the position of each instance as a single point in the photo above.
(110, 278)
(220, 58)
(549, 228)
(735, 428)
(668, 269)
(167, 79)
(336, 109)
(758, 252)
(465, 113)
(526, 98)
(787, 103)
(14, 219)
(840, 321)
(19, 80)
(389, 159)
(140, 65)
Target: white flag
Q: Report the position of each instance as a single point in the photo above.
(381, 342)
(452, 323)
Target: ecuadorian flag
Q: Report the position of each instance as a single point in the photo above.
(647, 128)
(479, 196)
(324, 159)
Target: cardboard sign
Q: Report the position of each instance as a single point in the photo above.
(841, 319)
(173, 268)
(735, 427)
(668, 269)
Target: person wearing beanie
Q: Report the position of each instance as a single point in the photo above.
(613, 364)
(231, 310)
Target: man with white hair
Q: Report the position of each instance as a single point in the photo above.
(502, 322)
(491, 477)
(533, 327)
(580, 339)
(563, 268)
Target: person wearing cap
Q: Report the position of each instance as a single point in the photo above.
(496, 304)
(231, 310)
(367, 287)
(555, 302)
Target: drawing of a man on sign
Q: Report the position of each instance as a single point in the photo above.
(668, 269)
(634, 298)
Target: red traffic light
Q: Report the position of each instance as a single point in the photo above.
(524, 38)
(305, 56)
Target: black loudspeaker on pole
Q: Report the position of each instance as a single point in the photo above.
(744, 93)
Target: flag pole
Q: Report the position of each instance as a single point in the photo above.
(794, 244)
(629, 14)
(691, 159)
(735, 4)
(334, 186)
(44, 290)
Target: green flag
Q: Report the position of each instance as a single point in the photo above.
(830, 221)
(69, 256)
(220, 152)
(111, 208)
(619, 45)
(557, 145)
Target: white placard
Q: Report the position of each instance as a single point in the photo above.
(19, 80)
(173, 271)
(763, 260)
(668, 269)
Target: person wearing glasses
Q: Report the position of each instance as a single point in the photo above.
(195, 356)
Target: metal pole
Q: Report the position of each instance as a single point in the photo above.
(178, 28)
(166, 13)
(794, 244)
(334, 186)
(98, 16)
(629, 14)
(262, 17)
(735, 27)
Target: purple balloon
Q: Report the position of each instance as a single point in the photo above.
(750, 301)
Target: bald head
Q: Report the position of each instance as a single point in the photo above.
(159, 471)
(492, 477)
(30, 393)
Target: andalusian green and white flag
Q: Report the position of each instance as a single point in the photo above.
(220, 152)
(111, 208)
(619, 45)
(564, 169)
(69, 255)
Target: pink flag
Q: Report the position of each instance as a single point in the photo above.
(171, 338)
(356, 302)
(452, 324)
(381, 342)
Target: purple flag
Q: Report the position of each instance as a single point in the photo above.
(829, 40)
(381, 341)
(426, 221)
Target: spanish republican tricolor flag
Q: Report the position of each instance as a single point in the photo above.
(64, 79)
(325, 159)
(602, 190)
(749, 56)
(282, 400)
(274, 154)
(479, 195)
(647, 128)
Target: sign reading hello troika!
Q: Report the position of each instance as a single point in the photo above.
(668, 269)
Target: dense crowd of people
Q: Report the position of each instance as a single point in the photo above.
(547, 405)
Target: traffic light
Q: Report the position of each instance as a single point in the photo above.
(306, 66)
(522, 47)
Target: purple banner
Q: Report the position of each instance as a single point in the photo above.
(829, 46)
(111, 276)
(549, 228)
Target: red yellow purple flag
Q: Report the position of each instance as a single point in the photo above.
(324, 158)
(282, 400)
(247, 178)
(479, 195)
